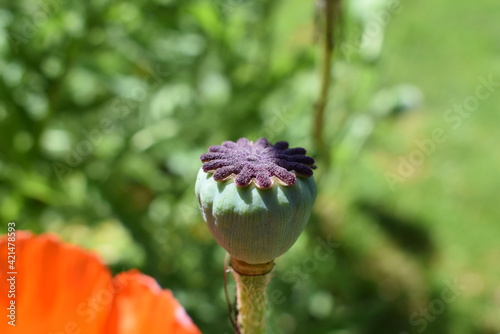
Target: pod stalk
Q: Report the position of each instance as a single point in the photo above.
(251, 296)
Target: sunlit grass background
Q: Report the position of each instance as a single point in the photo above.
(154, 83)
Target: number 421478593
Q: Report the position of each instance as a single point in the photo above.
(11, 246)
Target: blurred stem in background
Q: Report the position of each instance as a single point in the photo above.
(328, 14)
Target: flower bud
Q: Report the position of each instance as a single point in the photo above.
(256, 198)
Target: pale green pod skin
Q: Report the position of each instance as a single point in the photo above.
(255, 225)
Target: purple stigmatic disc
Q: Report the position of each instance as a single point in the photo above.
(260, 162)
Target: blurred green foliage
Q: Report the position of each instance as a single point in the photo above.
(105, 107)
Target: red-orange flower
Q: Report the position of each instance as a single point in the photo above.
(50, 287)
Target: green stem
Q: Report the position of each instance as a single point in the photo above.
(251, 297)
(331, 19)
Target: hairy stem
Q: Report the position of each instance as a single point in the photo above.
(251, 296)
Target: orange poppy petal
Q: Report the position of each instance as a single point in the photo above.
(59, 288)
(141, 306)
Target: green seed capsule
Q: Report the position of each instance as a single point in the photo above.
(255, 225)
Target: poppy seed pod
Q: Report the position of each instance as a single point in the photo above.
(256, 198)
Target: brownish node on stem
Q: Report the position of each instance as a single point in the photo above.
(247, 269)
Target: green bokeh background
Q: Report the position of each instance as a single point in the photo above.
(105, 107)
